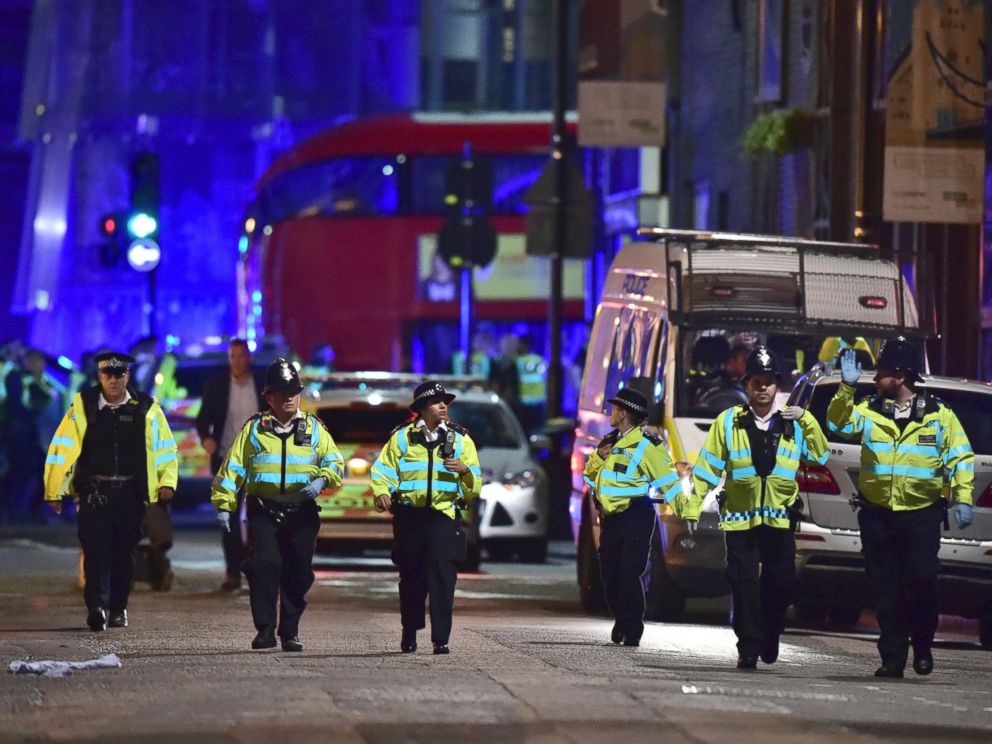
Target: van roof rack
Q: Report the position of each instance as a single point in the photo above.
(386, 380)
(772, 241)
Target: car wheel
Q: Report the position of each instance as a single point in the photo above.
(985, 629)
(664, 599)
(845, 613)
(591, 593)
(533, 550)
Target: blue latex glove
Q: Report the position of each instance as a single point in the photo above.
(850, 369)
(691, 525)
(963, 515)
(224, 520)
(312, 489)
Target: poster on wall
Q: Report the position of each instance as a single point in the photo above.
(935, 103)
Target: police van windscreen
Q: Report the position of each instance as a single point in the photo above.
(973, 409)
(713, 362)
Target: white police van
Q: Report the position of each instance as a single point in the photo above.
(677, 308)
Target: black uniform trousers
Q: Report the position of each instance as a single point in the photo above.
(109, 527)
(428, 547)
(280, 563)
(900, 550)
(231, 541)
(761, 571)
(624, 548)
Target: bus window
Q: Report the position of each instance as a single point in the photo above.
(341, 186)
(512, 176)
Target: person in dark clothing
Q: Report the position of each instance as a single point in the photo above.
(230, 398)
(28, 393)
(113, 451)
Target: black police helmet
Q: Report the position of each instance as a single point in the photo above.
(282, 377)
(631, 400)
(900, 355)
(762, 362)
(427, 393)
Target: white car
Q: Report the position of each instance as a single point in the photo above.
(361, 409)
(828, 546)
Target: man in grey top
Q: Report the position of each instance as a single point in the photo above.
(229, 399)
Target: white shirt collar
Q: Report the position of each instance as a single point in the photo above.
(281, 428)
(768, 417)
(102, 402)
(429, 435)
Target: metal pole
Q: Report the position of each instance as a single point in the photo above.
(558, 202)
(151, 303)
(469, 210)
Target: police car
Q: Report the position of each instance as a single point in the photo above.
(361, 409)
(828, 546)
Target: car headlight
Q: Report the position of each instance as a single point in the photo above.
(523, 479)
(357, 467)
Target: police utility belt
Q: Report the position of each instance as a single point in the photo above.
(99, 486)
(280, 511)
(860, 502)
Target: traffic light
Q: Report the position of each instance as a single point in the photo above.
(142, 218)
(467, 239)
(110, 250)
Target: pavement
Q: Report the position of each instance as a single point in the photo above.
(526, 666)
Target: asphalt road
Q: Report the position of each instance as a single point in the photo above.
(526, 666)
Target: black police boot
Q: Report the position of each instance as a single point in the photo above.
(629, 641)
(922, 662)
(292, 644)
(616, 635)
(893, 672)
(97, 619)
(441, 648)
(408, 643)
(747, 661)
(769, 649)
(266, 638)
(118, 619)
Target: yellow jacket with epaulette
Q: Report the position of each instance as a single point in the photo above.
(276, 466)
(637, 466)
(903, 470)
(161, 454)
(750, 500)
(407, 468)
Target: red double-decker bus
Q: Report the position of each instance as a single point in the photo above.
(341, 241)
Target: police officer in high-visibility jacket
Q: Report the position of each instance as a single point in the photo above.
(427, 469)
(114, 452)
(624, 471)
(911, 444)
(759, 449)
(283, 458)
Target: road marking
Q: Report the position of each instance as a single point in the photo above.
(779, 694)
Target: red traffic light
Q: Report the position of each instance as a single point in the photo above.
(109, 225)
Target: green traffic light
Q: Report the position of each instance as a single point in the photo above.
(141, 225)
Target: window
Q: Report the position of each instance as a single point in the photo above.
(623, 346)
(489, 425)
(512, 176)
(341, 186)
(362, 423)
(770, 52)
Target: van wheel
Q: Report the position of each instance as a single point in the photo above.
(591, 592)
(985, 629)
(533, 550)
(664, 599)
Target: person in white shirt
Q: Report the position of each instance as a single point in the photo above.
(230, 398)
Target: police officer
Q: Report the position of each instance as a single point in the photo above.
(909, 441)
(759, 448)
(283, 458)
(623, 471)
(426, 471)
(114, 451)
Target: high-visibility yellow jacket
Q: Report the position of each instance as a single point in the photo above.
(532, 372)
(276, 466)
(637, 466)
(407, 468)
(161, 457)
(750, 500)
(903, 470)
